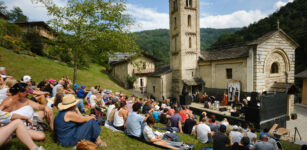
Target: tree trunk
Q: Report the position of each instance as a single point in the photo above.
(75, 66)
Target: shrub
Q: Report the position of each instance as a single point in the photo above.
(131, 79)
(34, 42)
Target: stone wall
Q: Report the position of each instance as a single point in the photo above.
(277, 49)
(214, 73)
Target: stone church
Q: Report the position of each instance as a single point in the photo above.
(256, 66)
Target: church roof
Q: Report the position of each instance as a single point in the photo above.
(269, 35)
(280, 87)
(301, 74)
(160, 71)
(225, 54)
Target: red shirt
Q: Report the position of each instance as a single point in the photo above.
(183, 115)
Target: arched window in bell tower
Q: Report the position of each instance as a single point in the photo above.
(189, 20)
(175, 6)
(175, 22)
(188, 3)
(190, 42)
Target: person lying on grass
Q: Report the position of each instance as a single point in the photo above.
(150, 137)
(19, 104)
(70, 126)
(17, 126)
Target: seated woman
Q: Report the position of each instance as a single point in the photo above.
(120, 116)
(71, 126)
(16, 104)
(17, 126)
(68, 89)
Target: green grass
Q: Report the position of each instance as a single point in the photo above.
(40, 68)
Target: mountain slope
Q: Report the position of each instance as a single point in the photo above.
(293, 20)
(156, 42)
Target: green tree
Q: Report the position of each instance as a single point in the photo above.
(16, 15)
(3, 8)
(95, 27)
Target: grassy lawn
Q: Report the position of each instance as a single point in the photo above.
(40, 68)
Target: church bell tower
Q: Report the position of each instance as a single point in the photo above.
(184, 42)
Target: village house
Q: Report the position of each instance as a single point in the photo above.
(38, 26)
(129, 65)
(303, 76)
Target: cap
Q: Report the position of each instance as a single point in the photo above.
(51, 80)
(26, 78)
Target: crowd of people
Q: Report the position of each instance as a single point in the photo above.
(26, 108)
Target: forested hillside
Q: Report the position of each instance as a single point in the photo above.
(156, 42)
(293, 20)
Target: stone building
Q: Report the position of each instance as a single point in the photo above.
(124, 65)
(260, 65)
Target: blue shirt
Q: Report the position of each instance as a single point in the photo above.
(155, 114)
(54, 89)
(88, 95)
(134, 124)
(80, 93)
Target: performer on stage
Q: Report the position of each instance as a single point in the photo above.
(225, 99)
(203, 97)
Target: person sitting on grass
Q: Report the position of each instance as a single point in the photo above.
(81, 94)
(58, 97)
(38, 96)
(4, 90)
(3, 73)
(68, 89)
(189, 124)
(156, 113)
(17, 126)
(96, 100)
(164, 116)
(120, 116)
(242, 145)
(135, 121)
(20, 105)
(236, 134)
(70, 126)
(176, 122)
(220, 139)
(109, 111)
(203, 131)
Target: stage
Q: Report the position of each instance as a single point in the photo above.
(198, 108)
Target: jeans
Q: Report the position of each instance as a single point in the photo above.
(80, 105)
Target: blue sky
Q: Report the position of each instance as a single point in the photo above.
(153, 14)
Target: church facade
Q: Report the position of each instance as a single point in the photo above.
(255, 67)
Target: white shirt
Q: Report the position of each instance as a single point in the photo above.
(110, 110)
(118, 121)
(3, 94)
(251, 136)
(236, 136)
(148, 134)
(202, 132)
(93, 100)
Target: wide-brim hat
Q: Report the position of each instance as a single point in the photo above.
(68, 101)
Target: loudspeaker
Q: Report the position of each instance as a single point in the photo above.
(252, 114)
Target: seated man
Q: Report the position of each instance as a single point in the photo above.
(134, 122)
(220, 139)
(264, 144)
(236, 134)
(189, 124)
(60, 84)
(38, 96)
(176, 121)
(203, 131)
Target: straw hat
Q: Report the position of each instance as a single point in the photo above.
(68, 101)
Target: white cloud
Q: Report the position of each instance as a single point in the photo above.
(35, 12)
(236, 19)
(147, 18)
(279, 4)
